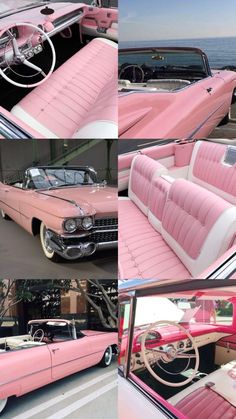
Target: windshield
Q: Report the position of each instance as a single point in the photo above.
(158, 64)
(193, 310)
(46, 178)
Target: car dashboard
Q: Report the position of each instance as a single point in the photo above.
(202, 334)
(64, 15)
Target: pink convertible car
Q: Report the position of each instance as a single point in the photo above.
(73, 213)
(177, 212)
(53, 349)
(58, 69)
(171, 93)
(178, 350)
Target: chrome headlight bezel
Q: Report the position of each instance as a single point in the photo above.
(90, 225)
(79, 224)
(70, 220)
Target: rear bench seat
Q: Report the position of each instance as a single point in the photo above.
(170, 229)
(79, 100)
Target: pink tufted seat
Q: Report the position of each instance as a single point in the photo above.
(170, 229)
(208, 169)
(204, 403)
(79, 100)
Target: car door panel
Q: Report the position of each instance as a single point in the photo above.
(10, 198)
(101, 21)
(17, 374)
(74, 355)
(225, 350)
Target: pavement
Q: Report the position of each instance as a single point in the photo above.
(89, 394)
(21, 256)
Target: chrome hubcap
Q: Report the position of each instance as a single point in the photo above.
(3, 403)
(46, 237)
(108, 355)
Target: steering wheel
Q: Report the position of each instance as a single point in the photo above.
(134, 78)
(38, 335)
(169, 354)
(17, 55)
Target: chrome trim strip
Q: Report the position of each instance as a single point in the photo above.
(62, 26)
(11, 131)
(191, 135)
(62, 199)
(223, 272)
(89, 233)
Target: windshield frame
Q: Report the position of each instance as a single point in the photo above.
(87, 169)
(205, 62)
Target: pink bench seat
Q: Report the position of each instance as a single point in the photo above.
(204, 403)
(170, 229)
(79, 100)
(143, 253)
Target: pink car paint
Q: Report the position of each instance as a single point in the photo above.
(191, 112)
(30, 207)
(49, 362)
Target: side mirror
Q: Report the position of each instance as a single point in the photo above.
(104, 182)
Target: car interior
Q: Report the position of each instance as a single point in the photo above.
(40, 333)
(183, 349)
(160, 70)
(53, 79)
(177, 209)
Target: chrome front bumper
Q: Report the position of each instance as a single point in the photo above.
(74, 247)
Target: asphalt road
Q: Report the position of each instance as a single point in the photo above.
(21, 257)
(89, 394)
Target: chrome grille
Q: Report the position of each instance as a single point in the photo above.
(103, 237)
(106, 223)
(98, 237)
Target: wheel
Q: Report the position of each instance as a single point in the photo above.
(3, 403)
(49, 253)
(4, 215)
(107, 358)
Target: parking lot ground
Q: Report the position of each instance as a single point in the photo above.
(89, 394)
(21, 256)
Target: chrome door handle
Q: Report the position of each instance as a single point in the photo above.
(56, 349)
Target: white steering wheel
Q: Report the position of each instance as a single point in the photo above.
(38, 335)
(169, 354)
(18, 56)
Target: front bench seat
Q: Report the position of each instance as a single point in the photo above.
(204, 403)
(79, 100)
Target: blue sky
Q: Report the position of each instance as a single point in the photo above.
(176, 19)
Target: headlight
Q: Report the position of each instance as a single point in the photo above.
(87, 223)
(70, 225)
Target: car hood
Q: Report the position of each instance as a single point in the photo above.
(91, 199)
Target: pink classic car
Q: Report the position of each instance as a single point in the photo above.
(171, 93)
(58, 69)
(73, 213)
(53, 349)
(177, 350)
(177, 211)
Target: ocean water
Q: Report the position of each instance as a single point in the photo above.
(221, 52)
